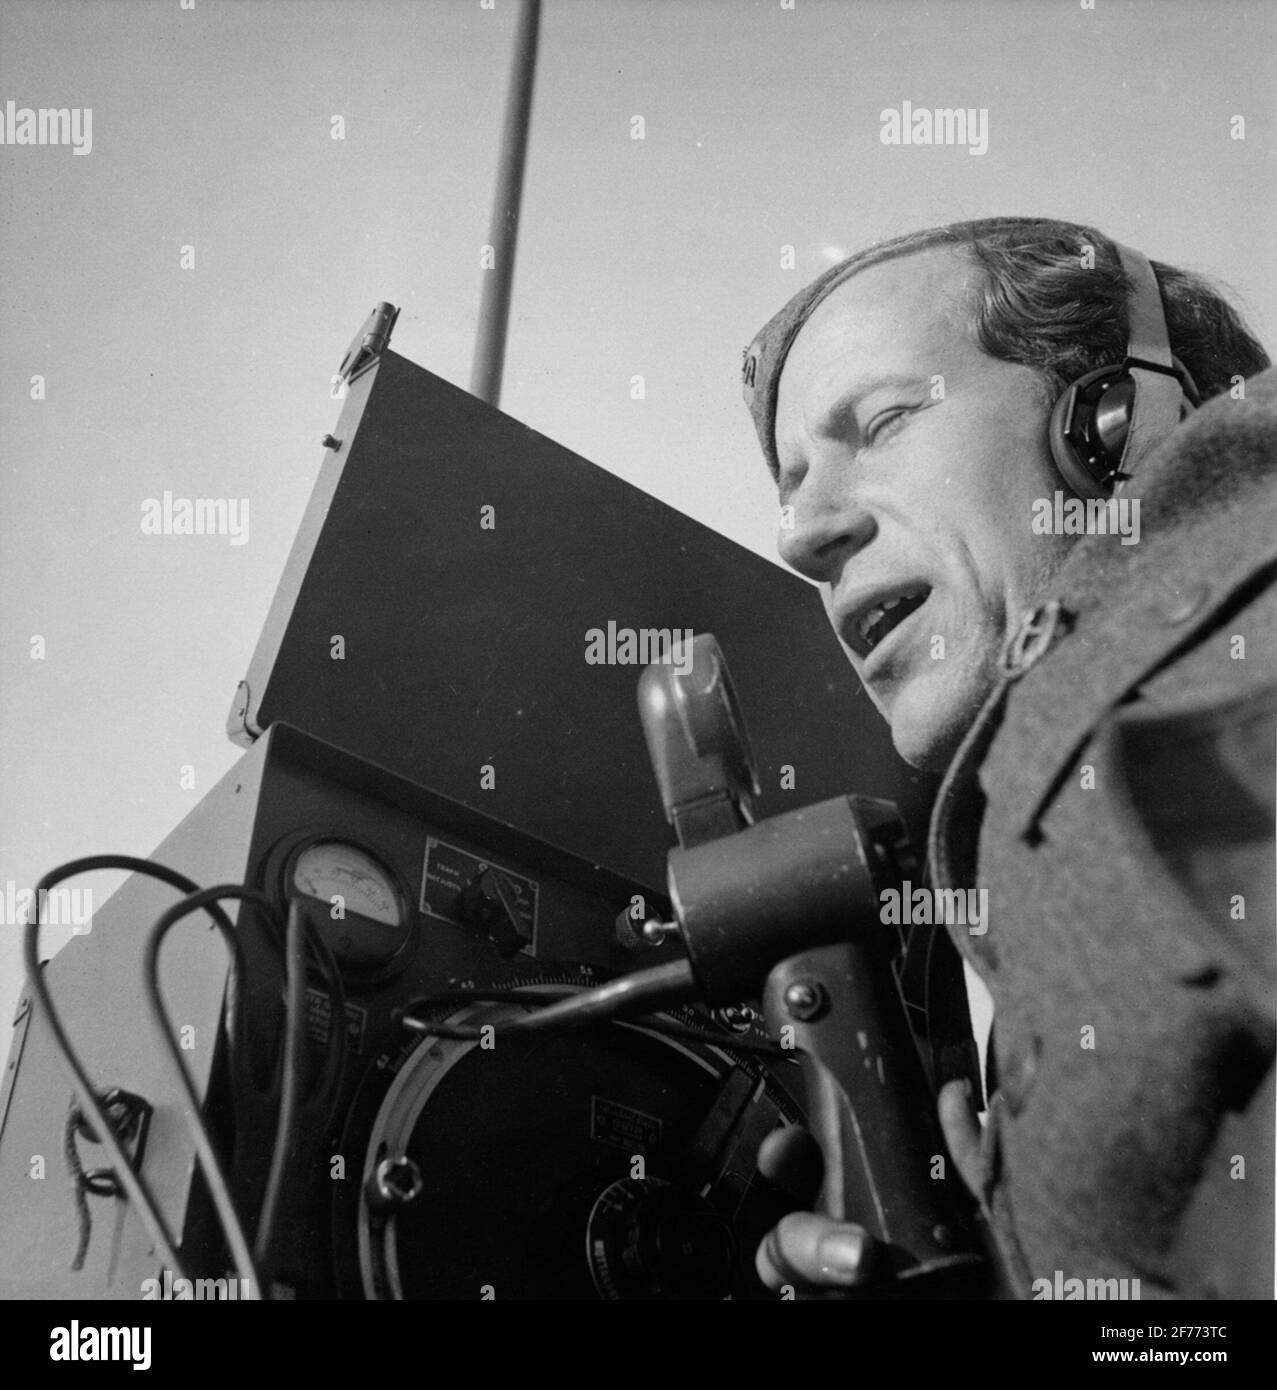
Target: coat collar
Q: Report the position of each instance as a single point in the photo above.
(1208, 528)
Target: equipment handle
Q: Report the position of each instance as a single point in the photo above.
(870, 1106)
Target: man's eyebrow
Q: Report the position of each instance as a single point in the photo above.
(844, 403)
(835, 414)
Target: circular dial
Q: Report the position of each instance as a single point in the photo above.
(358, 905)
(331, 870)
(525, 1156)
(650, 1239)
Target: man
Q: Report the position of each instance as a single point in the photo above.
(1103, 704)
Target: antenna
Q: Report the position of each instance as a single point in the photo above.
(494, 306)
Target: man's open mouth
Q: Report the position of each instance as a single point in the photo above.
(873, 625)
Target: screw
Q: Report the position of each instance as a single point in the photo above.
(806, 1000)
(398, 1181)
(737, 1017)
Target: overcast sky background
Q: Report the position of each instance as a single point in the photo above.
(659, 257)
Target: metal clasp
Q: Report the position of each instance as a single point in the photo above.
(1036, 635)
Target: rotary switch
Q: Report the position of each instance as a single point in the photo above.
(490, 903)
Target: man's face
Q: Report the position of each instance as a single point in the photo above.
(912, 459)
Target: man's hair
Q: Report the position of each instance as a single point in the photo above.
(1053, 297)
(1040, 304)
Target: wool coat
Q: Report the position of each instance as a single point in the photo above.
(1115, 796)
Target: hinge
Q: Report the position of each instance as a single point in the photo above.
(370, 342)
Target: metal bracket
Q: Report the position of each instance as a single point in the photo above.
(370, 342)
(238, 728)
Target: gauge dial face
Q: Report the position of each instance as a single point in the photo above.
(331, 870)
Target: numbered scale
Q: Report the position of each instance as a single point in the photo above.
(610, 1162)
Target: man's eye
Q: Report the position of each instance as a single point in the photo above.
(885, 424)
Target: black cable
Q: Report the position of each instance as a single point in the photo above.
(292, 1081)
(335, 981)
(301, 934)
(521, 994)
(330, 1088)
(135, 1186)
(214, 1173)
(331, 972)
(737, 1043)
(659, 986)
(295, 1010)
(465, 1033)
(563, 1019)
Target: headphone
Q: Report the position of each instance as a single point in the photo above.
(1112, 418)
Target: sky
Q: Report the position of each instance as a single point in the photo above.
(206, 371)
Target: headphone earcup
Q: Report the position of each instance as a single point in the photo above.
(1090, 423)
(1088, 428)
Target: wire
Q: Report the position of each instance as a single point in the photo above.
(603, 1005)
(137, 1188)
(331, 1087)
(662, 984)
(327, 963)
(523, 994)
(128, 1114)
(214, 1173)
(83, 1218)
(291, 1086)
(765, 1048)
(299, 935)
(466, 1033)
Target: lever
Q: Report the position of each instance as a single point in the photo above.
(698, 745)
(789, 908)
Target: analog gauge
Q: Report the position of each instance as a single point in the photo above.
(358, 904)
(330, 871)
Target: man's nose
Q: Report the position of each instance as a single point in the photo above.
(826, 525)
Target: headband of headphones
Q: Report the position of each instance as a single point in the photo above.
(1101, 427)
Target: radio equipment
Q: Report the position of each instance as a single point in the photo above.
(433, 1168)
(438, 1045)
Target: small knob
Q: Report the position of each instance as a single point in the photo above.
(635, 936)
(489, 902)
(654, 932)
